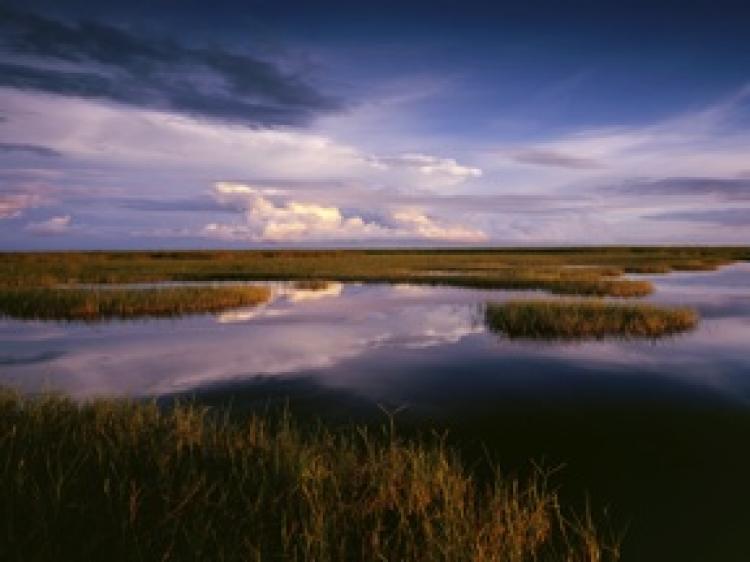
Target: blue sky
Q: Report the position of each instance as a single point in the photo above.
(249, 124)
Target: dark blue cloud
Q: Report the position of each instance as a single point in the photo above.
(115, 64)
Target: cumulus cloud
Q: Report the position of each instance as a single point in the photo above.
(50, 227)
(418, 224)
(134, 141)
(271, 215)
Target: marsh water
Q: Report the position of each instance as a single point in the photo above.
(657, 431)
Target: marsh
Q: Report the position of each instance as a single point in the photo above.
(651, 431)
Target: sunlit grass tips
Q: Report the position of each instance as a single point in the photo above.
(581, 319)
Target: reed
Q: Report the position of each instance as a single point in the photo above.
(550, 319)
(103, 303)
(118, 480)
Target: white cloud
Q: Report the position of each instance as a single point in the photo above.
(50, 227)
(431, 165)
(420, 225)
(266, 220)
(557, 189)
(289, 220)
(434, 171)
(98, 133)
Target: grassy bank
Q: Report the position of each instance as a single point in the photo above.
(549, 319)
(588, 271)
(122, 481)
(101, 304)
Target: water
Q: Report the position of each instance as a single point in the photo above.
(657, 430)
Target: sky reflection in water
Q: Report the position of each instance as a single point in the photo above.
(382, 341)
(656, 429)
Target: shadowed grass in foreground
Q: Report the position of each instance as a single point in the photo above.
(122, 481)
(550, 319)
(101, 304)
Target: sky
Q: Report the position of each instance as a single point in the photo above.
(244, 124)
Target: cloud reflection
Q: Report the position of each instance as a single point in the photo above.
(373, 339)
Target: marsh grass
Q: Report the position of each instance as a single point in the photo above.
(550, 319)
(311, 285)
(586, 271)
(104, 303)
(117, 480)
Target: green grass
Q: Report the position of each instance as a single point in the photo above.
(116, 480)
(550, 319)
(101, 304)
(586, 271)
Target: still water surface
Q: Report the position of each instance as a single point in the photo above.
(658, 430)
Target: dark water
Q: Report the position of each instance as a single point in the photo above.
(658, 431)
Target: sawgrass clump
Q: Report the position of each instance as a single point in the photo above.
(577, 319)
(103, 303)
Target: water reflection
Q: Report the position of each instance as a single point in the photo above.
(658, 429)
(326, 330)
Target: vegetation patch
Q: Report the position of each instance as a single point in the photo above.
(551, 319)
(103, 303)
(569, 271)
(311, 285)
(115, 480)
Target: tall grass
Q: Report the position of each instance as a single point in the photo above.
(591, 271)
(100, 304)
(546, 319)
(115, 480)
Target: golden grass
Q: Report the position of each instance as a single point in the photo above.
(311, 285)
(101, 304)
(116, 480)
(550, 319)
(588, 271)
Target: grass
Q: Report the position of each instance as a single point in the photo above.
(101, 304)
(311, 285)
(117, 480)
(550, 319)
(30, 283)
(584, 271)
